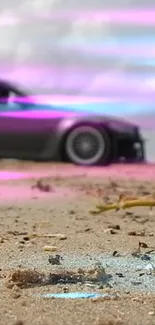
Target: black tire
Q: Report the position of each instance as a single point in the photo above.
(95, 151)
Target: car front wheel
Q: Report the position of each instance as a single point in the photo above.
(86, 145)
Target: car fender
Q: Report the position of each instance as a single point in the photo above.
(67, 124)
(55, 143)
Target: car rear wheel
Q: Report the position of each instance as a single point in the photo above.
(86, 145)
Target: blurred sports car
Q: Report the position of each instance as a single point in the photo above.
(35, 130)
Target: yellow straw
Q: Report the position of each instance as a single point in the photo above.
(125, 205)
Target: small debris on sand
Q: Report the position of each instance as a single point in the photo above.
(115, 227)
(116, 254)
(143, 245)
(137, 233)
(58, 236)
(110, 231)
(28, 278)
(50, 248)
(15, 295)
(55, 260)
(24, 277)
(42, 187)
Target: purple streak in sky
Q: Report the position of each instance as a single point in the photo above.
(124, 16)
(57, 99)
(110, 82)
(81, 99)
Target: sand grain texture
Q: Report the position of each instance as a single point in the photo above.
(30, 215)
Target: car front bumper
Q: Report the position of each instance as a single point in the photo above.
(129, 147)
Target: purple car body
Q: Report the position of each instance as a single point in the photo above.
(33, 130)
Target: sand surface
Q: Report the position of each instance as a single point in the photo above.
(100, 252)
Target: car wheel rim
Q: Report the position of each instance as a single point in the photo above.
(86, 146)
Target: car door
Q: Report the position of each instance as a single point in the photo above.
(23, 132)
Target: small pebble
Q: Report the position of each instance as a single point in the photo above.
(151, 313)
(145, 257)
(137, 299)
(50, 248)
(26, 238)
(55, 260)
(15, 295)
(58, 236)
(16, 288)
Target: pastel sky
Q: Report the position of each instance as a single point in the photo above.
(82, 48)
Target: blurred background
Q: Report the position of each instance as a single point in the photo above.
(92, 54)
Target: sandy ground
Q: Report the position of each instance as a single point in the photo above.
(99, 252)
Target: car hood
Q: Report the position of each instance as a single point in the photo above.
(34, 106)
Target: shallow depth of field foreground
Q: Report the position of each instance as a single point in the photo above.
(51, 243)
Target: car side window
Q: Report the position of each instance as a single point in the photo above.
(9, 104)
